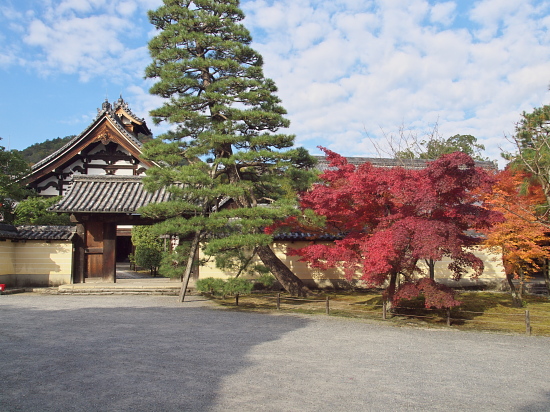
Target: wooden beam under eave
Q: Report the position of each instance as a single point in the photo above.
(118, 218)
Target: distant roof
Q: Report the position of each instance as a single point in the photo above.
(28, 232)
(107, 194)
(305, 236)
(322, 163)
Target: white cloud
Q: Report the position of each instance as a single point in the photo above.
(127, 8)
(443, 13)
(383, 66)
(89, 38)
(345, 68)
(77, 44)
(81, 6)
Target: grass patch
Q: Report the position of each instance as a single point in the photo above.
(480, 311)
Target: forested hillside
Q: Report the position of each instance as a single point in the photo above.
(39, 151)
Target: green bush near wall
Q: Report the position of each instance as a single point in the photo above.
(220, 287)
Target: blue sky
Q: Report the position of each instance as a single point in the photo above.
(352, 74)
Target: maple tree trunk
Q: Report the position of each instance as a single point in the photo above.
(288, 280)
(546, 275)
(390, 290)
(431, 267)
(515, 295)
(521, 289)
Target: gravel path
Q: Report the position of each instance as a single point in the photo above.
(150, 353)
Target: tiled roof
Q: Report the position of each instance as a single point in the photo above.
(46, 232)
(305, 236)
(28, 232)
(323, 163)
(107, 110)
(8, 232)
(107, 194)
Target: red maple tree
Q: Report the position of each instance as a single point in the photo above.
(390, 219)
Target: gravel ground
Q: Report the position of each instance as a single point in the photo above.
(151, 353)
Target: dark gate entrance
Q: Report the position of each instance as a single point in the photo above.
(123, 245)
(98, 204)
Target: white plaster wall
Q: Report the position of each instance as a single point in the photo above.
(38, 263)
(7, 257)
(493, 274)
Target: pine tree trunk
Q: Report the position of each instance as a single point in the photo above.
(288, 280)
(189, 268)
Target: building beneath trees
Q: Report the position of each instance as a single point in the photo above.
(99, 174)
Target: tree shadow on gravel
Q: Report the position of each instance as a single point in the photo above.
(125, 358)
(542, 405)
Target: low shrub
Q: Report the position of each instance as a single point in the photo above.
(265, 281)
(214, 286)
(219, 287)
(240, 286)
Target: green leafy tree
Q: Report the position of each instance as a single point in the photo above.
(34, 211)
(465, 143)
(436, 146)
(223, 109)
(149, 248)
(148, 257)
(13, 169)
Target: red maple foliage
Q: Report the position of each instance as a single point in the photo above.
(435, 294)
(392, 218)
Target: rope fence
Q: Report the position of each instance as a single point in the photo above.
(445, 314)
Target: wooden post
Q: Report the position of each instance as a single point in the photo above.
(527, 323)
(237, 299)
(79, 259)
(278, 301)
(384, 310)
(109, 252)
(328, 306)
(448, 316)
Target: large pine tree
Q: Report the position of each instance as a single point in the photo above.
(223, 147)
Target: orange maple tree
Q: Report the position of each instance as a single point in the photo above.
(521, 237)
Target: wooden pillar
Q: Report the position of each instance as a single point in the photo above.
(109, 252)
(79, 256)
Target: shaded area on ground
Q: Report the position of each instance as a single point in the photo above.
(146, 353)
(121, 356)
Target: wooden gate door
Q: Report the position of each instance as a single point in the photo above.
(100, 251)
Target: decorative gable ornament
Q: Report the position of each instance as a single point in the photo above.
(110, 145)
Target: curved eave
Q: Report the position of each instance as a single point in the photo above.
(80, 142)
(132, 117)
